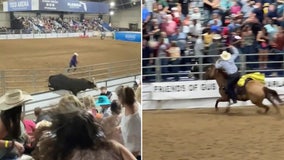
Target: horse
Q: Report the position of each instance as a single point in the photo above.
(253, 90)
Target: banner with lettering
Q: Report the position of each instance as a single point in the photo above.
(200, 89)
(74, 6)
(19, 5)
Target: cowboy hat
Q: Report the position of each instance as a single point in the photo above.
(76, 54)
(13, 98)
(225, 55)
(217, 36)
(103, 101)
(280, 1)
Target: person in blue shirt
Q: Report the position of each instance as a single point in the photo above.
(73, 62)
(227, 63)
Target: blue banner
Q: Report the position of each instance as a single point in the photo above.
(73, 6)
(19, 5)
(128, 36)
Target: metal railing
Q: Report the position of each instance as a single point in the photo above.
(36, 80)
(193, 69)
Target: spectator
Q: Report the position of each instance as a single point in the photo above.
(147, 55)
(184, 7)
(131, 121)
(105, 92)
(30, 128)
(162, 54)
(111, 123)
(11, 127)
(174, 54)
(263, 41)
(74, 134)
(104, 102)
(40, 115)
(90, 105)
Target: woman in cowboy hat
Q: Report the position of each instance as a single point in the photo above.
(227, 63)
(11, 128)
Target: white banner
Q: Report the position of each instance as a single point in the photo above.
(199, 89)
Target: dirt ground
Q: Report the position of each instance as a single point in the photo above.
(56, 53)
(203, 134)
(52, 56)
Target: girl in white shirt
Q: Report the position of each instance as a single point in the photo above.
(131, 121)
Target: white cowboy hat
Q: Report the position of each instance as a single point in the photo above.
(225, 55)
(217, 36)
(238, 37)
(76, 54)
(13, 98)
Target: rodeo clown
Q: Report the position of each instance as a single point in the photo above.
(73, 62)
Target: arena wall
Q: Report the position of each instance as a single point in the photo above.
(122, 18)
(193, 94)
(4, 19)
(47, 99)
(24, 14)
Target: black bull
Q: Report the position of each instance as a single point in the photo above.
(60, 81)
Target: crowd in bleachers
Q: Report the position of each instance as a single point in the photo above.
(174, 30)
(107, 127)
(58, 25)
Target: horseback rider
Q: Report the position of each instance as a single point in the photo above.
(227, 63)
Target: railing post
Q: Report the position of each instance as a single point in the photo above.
(34, 81)
(200, 66)
(158, 69)
(2, 78)
(243, 63)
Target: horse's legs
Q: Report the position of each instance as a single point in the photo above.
(221, 99)
(216, 105)
(263, 106)
(275, 106)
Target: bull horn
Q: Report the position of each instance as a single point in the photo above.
(94, 81)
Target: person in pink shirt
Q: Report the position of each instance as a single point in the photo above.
(30, 128)
(236, 8)
(170, 27)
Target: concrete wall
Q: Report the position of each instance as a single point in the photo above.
(4, 19)
(122, 18)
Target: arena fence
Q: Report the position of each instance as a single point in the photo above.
(36, 80)
(191, 90)
(20, 35)
(46, 100)
(194, 66)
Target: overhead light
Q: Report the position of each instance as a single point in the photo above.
(112, 4)
(111, 13)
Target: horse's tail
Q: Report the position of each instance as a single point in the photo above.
(271, 94)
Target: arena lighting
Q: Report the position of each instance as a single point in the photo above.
(112, 4)
(111, 13)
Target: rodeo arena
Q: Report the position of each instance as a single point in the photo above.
(186, 110)
(70, 80)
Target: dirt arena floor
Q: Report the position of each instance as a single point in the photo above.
(203, 134)
(48, 55)
(56, 53)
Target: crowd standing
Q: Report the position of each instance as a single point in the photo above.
(75, 128)
(46, 24)
(175, 30)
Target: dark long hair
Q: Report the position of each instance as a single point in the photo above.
(11, 119)
(73, 130)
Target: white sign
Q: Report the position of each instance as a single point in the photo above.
(199, 89)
